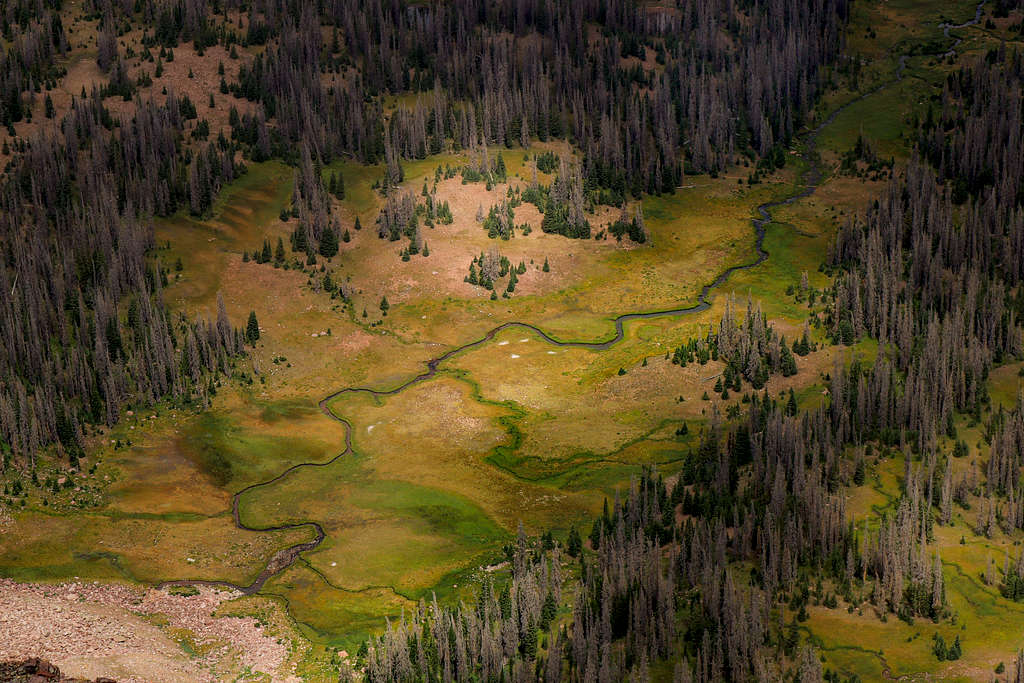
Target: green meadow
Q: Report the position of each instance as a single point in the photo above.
(514, 430)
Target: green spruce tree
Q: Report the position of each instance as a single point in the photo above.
(329, 243)
(252, 328)
(279, 253)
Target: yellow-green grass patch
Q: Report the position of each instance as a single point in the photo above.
(137, 547)
(330, 615)
(1005, 384)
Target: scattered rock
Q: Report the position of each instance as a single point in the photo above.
(97, 629)
(36, 670)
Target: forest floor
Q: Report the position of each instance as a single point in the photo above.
(513, 430)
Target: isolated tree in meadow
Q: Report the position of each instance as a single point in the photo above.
(787, 362)
(300, 240)
(574, 544)
(329, 243)
(791, 406)
(252, 328)
(500, 169)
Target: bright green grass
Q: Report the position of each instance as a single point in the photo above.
(987, 623)
(880, 118)
(417, 536)
(360, 196)
(234, 457)
(318, 609)
(1005, 384)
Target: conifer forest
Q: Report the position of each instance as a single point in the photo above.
(512, 340)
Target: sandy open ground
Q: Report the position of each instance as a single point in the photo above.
(127, 633)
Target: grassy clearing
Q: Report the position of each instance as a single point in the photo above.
(514, 430)
(1005, 384)
(442, 473)
(318, 609)
(880, 118)
(234, 455)
(145, 548)
(696, 233)
(985, 622)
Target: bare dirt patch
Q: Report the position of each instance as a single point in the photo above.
(128, 633)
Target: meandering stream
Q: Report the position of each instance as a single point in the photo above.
(284, 558)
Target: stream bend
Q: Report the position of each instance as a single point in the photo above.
(284, 558)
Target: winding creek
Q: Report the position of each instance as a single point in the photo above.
(284, 558)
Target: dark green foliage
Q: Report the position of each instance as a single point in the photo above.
(574, 544)
(859, 472)
(252, 328)
(498, 222)
(558, 219)
(336, 185)
(944, 653)
(1012, 586)
(802, 346)
(328, 243)
(500, 172)
(547, 162)
(846, 334)
(299, 238)
(634, 227)
(788, 363)
(265, 253)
